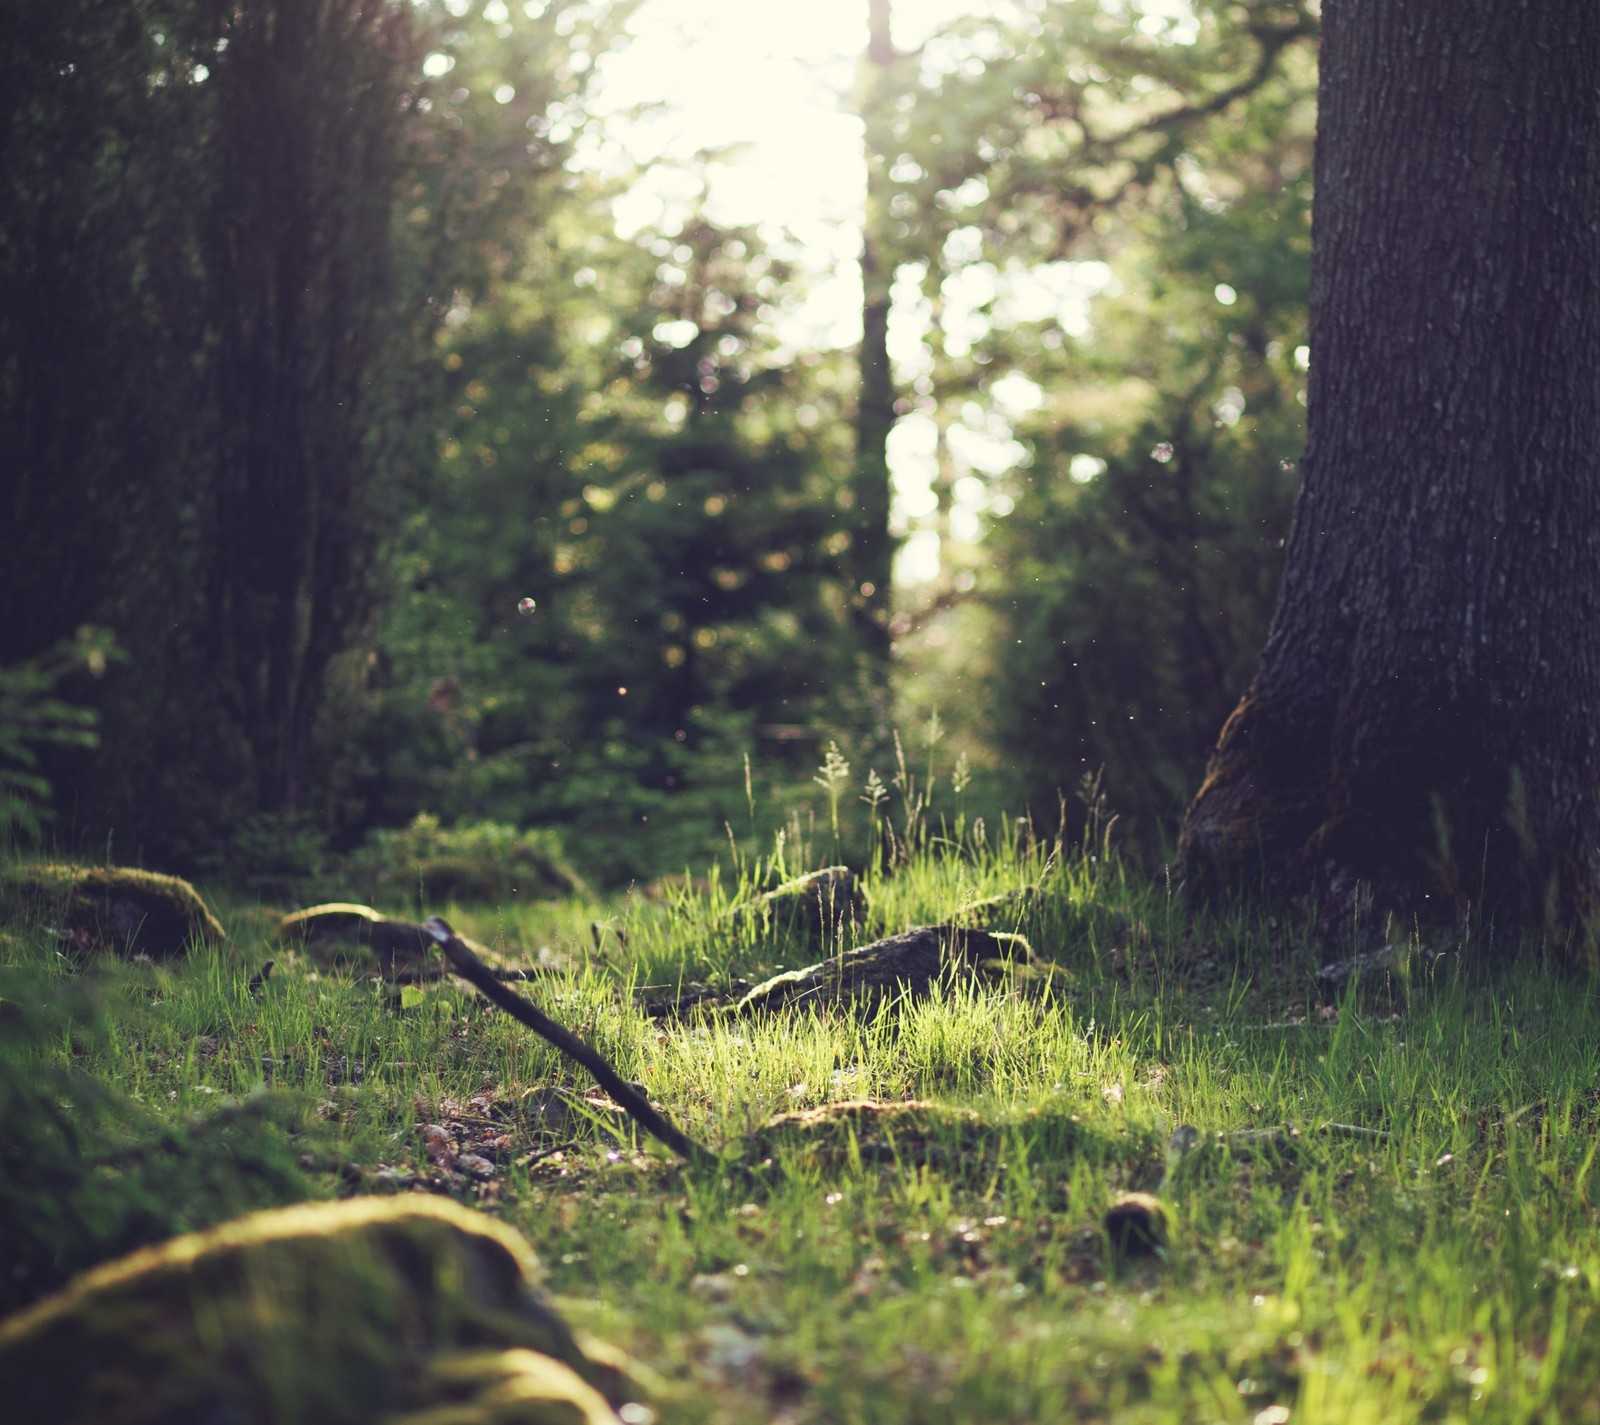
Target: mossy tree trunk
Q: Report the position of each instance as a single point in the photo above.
(1420, 738)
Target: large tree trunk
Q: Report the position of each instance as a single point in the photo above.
(1421, 736)
(309, 137)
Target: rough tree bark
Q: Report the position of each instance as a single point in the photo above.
(1420, 738)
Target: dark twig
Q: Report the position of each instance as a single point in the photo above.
(471, 968)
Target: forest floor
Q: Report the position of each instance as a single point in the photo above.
(1444, 1265)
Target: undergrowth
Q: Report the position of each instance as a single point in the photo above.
(1445, 1268)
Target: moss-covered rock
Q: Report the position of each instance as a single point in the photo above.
(338, 1313)
(819, 904)
(504, 1388)
(116, 908)
(1015, 904)
(344, 935)
(907, 964)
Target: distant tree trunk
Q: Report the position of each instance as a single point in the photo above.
(1423, 732)
(309, 145)
(872, 549)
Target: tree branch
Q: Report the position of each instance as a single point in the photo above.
(472, 969)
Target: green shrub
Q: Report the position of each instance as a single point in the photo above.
(475, 861)
(33, 717)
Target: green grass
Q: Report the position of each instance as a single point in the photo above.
(1449, 1272)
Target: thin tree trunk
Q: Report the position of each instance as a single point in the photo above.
(872, 548)
(1420, 738)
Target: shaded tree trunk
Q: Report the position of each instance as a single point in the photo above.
(1421, 735)
(872, 549)
(309, 145)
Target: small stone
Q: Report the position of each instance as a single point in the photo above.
(1137, 1225)
(713, 1286)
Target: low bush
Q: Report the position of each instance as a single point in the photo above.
(480, 861)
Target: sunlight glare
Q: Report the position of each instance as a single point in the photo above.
(744, 111)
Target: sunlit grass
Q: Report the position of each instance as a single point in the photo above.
(1450, 1270)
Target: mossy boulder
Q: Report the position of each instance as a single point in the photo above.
(819, 904)
(117, 908)
(909, 964)
(1015, 904)
(344, 935)
(385, 1309)
(504, 1388)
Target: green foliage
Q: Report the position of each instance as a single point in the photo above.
(88, 1173)
(475, 861)
(1137, 572)
(32, 717)
(229, 238)
(1443, 1264)
(634, 450)
(272, 853)
(307, 442)
(1112, 233)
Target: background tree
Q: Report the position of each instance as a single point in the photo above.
(1115, 236)
(102, 337)
(872, 551)
(233, 235)
(303, 171)
(1419, 736)
(633, 448)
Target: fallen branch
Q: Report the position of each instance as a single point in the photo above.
(471, 968)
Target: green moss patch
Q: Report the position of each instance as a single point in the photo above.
(332, 1312)
(116, 908)
(818, 905)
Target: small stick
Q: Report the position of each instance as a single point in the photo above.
(472, 969)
